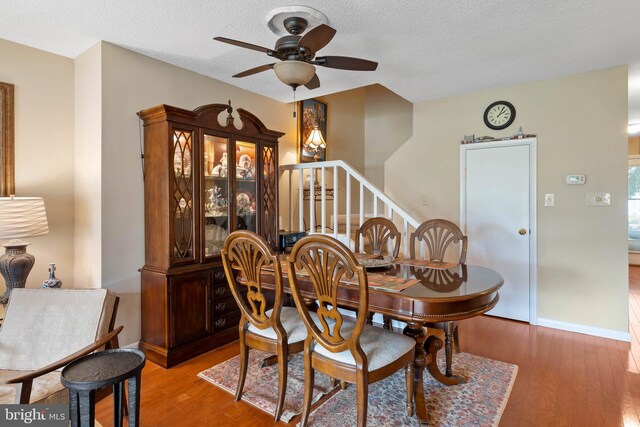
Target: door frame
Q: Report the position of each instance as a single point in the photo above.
(533, 244)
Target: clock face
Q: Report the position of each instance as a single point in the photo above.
(499, 115)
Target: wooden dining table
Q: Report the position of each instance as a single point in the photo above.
(418, 293)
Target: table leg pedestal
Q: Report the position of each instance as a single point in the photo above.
(414, 330)
(432, 345)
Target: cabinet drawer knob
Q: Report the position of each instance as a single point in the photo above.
(221, 322)
(219, 274)
(221, 291)
(221, 305)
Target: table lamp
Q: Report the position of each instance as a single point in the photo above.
(19, 217)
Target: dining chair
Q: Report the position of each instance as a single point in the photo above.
(341, 348)
(279, 330)
(381, 234)
(438, 235)
(383, 238)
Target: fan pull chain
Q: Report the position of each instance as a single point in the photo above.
(294, 102)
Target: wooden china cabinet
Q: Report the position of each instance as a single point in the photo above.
(203, 179)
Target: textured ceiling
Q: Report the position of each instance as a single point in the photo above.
(426, 49)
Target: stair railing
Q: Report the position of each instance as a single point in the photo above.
(314, 178)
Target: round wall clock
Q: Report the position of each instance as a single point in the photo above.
(499, 115)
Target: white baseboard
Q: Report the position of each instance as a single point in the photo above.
(584, 329)
(133, 345)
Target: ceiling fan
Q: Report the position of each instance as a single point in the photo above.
(297, 55)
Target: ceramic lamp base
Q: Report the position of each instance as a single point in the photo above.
(15, 265)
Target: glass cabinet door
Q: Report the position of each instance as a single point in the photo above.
(215, 193)
(182, 202)
(269, 209)
(245, 203)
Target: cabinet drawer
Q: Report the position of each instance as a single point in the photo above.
(226, 321)
(221, 292)
(217, 276)
(224, 306)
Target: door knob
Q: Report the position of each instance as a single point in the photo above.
(522, 231)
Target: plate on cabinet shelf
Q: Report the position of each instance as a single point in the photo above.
(245, 161)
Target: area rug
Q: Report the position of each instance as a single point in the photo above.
(480, 401)
(261, 385)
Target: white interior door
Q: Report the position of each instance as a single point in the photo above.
(497, 212)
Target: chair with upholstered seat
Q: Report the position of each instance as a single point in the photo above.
(337, 346)
(279, 330)
(438, 236)
(44, 330)
(381, 237)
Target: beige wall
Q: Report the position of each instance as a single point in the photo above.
(130, 83)
(88, 169)
(44, 120)
(581, 122)
(388, 124)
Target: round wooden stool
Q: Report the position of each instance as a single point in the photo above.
(98, 370)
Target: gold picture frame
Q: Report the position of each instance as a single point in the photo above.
(7, 173)
(311, 113)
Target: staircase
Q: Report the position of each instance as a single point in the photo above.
(336, 199)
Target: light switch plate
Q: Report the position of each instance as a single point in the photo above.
(575, 179)
(549, 201)
(598, 199)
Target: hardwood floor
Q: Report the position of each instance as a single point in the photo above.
(564, 378)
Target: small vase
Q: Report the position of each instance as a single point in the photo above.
(52, 282)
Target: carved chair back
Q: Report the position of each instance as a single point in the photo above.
(327, 262)
(379, 232)
(246, 254)
(438, 235)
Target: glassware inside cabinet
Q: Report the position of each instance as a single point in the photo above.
(246, 186)
(215, 193)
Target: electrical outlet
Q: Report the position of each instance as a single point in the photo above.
(598, 199)
(425, 200)
(549, 200)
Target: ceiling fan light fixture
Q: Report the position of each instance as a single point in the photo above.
(294, 73)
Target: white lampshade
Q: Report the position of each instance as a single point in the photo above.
(22, 217)
(294, 73)
(315, 139)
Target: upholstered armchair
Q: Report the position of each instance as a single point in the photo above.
(44, 330)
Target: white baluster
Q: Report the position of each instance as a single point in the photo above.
(405, 237)
(361, 248)
(375, 206)
(335, 202)
(312, 200)
(290, 199)
(348, 213)
(324, 201)
(300, 200)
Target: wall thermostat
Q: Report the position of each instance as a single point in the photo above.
(575, 179)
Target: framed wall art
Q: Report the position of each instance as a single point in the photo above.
(312, 145)
(7, 186)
